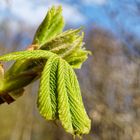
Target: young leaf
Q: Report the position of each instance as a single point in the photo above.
(65, 38)
(36, 54)
(63, 100)
(76, 59)
(59, 94)
(24, 61)
(68, 45)
(47, 98)
(70, 106)
(81, 122)
(51, 26)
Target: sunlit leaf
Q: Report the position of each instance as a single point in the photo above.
(69, 45)
(70, 106)
(59, 93)
(47, 98)
(52, 25)
(36, 54)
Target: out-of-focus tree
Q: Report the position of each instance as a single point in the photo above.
(112, 77)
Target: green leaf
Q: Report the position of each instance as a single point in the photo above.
(47, 98)
(66, 38)
(77, 45)
(59, 94)
(25, 60)
(36, 54)
(51, 26)
(70, 106)
(76, 59)
(63, 100)
(80, 119)
(69, 45)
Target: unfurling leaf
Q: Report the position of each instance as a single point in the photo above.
(70, 106)
(23, 55)
(63, 99)
(65, 38)
(76, 59)
(51, 26)
(47, 98)
(60, 97)
(69, 45)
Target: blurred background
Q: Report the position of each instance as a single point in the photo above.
(109, 79)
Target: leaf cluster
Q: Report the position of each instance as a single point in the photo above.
(58, 52)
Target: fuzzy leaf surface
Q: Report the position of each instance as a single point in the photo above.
(70, 106)
(59, 94)
(52, 25)
(69, 45)
(21, 55)
(47, 98)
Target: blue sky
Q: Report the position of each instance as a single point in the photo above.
(119, 16)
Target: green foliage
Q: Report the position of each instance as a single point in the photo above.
(22, 55)
(47, 99)
(59, 93)
(70, 106)
(52, 25)
(69, 46)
